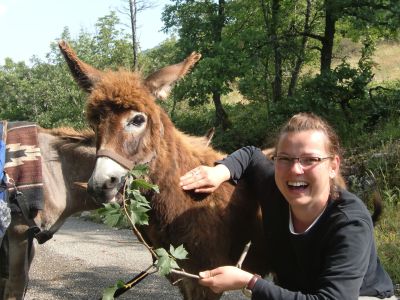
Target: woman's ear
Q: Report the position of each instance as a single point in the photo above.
(335, 166)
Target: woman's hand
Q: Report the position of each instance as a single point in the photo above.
(205, 179)
(225, 279)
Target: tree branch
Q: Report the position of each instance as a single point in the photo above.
(185, 274)
(134, 229)
(243, 256)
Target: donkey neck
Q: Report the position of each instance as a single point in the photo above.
(180, 152)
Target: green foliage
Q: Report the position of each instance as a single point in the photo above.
(388, 240)
(135, 207)
(112, 216)
(250, 124)
(38, 94)
(160, 56)
(108, 293)
(167, 261)
(45, 92)
(134, 212)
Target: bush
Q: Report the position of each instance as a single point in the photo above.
(249, 124)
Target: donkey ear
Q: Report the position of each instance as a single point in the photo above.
(85, 75)
(161, 82)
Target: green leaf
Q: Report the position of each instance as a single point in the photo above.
(109, 207)
(167, 261)
(108, 293)
(161, 252)
(113, 219)
(164, 265)
(135, 195)
(143, 184)
(174, 264)
(138, 214)
(139, 171)
(178, 253)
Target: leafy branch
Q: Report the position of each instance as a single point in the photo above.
(132, 212)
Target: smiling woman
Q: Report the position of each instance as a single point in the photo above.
(320, 237)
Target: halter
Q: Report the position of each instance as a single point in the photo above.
(119, 159)
(126, 163)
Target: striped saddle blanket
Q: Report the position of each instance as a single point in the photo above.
(23, 165)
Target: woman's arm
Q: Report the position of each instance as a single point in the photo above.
(204, 179)
(339, 278)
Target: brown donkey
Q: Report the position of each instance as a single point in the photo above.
(132, 129)
(67, 157)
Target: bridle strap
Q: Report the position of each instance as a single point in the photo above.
(126, 163)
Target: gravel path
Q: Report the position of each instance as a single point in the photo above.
(84, 257)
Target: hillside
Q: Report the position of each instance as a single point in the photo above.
(387, 58)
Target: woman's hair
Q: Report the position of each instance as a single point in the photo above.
(309, 121)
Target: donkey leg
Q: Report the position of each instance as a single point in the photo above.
(4, 267)
(18, 260)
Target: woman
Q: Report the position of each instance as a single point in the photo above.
(320, 238)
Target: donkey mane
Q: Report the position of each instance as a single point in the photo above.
(79, 142)
(121, 89)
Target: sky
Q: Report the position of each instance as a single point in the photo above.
(27, 27)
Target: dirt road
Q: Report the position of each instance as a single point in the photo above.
(84, 258)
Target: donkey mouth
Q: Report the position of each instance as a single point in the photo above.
(119, 198)
(101, 196)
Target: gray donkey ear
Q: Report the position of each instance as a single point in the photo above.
(161, 82)
(84, 74)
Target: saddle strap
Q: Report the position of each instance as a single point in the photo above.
(3, 137)
(23, 205)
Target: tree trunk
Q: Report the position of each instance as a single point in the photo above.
(266, 66)
(221, 117)
(277, 84)
(327, 41)
(133, 13)
(300, 57)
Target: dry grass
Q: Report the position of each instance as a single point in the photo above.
(387, 58)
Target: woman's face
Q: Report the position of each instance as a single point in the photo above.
(306, 185)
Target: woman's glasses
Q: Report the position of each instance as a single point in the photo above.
(305, 162)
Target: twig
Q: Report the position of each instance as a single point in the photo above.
(183, 273)
(141, 239)
(239, 263)
(134, 229)
(244, 254)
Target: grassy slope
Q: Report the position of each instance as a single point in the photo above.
(386, 57)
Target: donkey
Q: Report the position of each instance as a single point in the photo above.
(132, 129)
(68, 157)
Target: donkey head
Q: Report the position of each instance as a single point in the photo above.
(122, 111)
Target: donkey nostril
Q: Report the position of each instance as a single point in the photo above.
(110, 183)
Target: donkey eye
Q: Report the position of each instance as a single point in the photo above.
(137, 120)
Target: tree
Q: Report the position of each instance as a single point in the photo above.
(272, 50)
(45, 92)
(381, 15)
(135, 7)
(200, 26)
